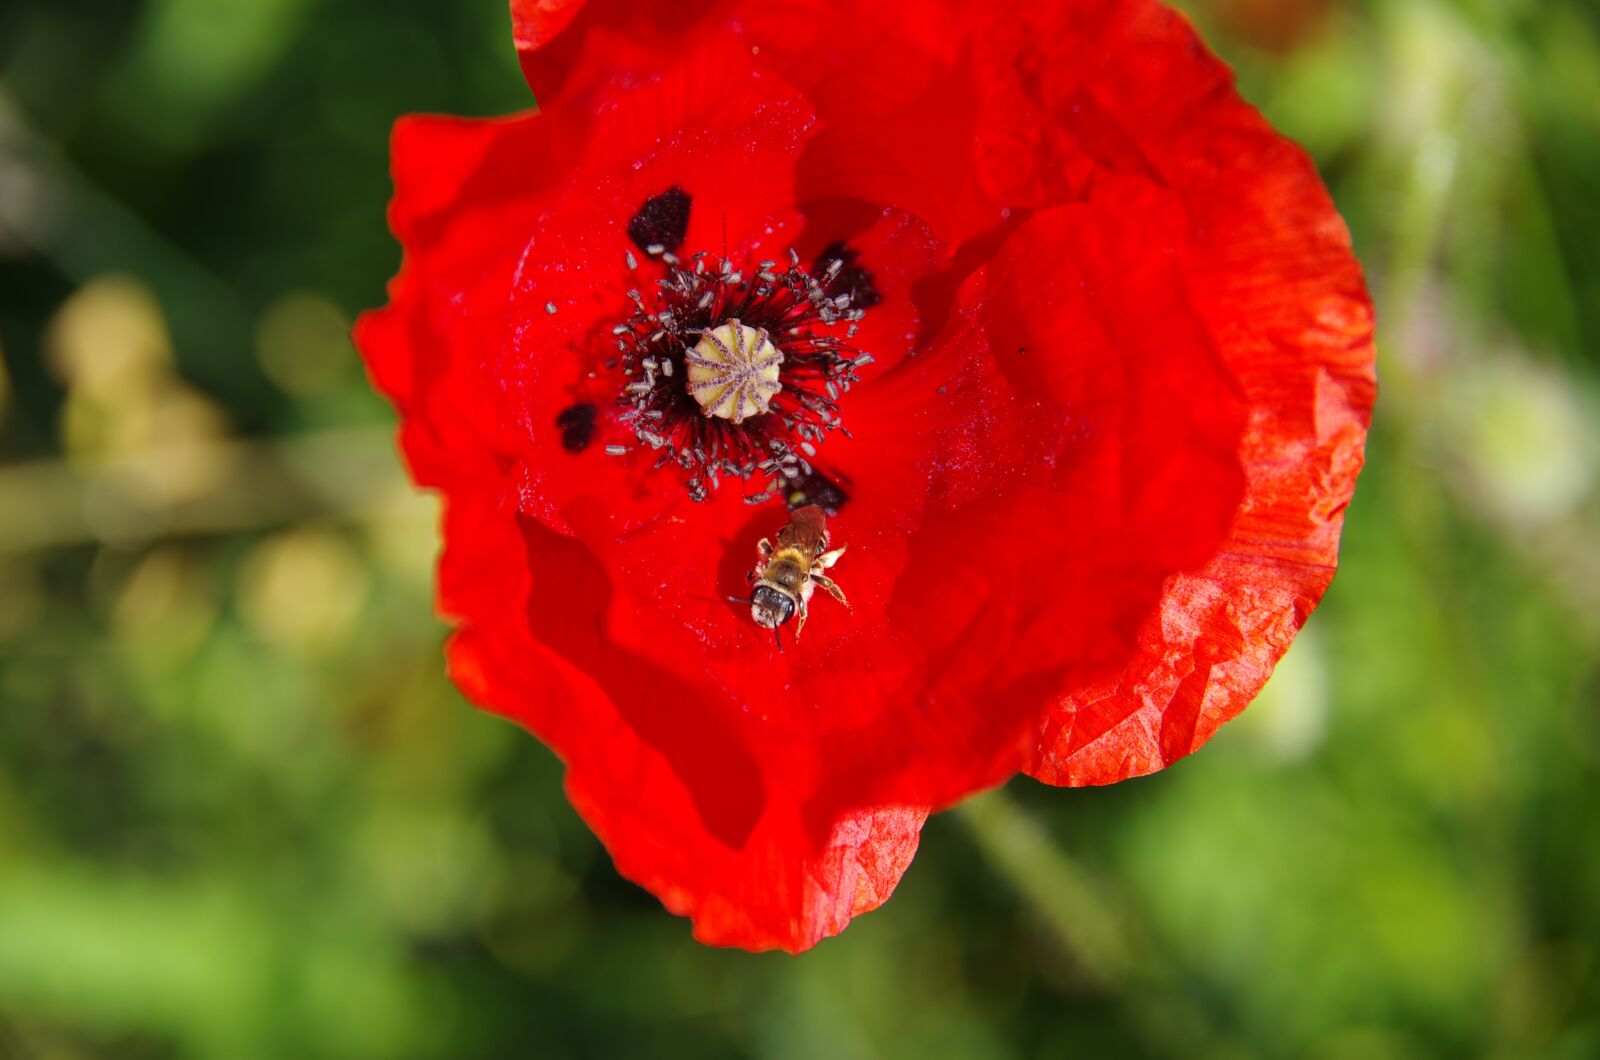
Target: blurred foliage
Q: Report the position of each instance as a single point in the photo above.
(242, 813)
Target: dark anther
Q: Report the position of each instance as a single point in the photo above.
(850, 278)
(577, 427)
(815, 488)
(662, 221)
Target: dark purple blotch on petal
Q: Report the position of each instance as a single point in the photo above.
(576, 424)
(662, 221)
(850, 278)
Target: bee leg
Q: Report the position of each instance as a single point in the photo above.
(764, 548)
(831, 587)
(800, 622)
(828, 559)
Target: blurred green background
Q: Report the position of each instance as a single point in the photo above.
(242, 814)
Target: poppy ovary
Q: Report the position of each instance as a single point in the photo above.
(734, 371)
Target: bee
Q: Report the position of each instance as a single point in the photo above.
(783, 580)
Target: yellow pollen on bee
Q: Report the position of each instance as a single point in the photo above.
(733, 371)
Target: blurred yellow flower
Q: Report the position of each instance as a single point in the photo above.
(303, 589)
(128, 413)
(165, 605)
(303, 342)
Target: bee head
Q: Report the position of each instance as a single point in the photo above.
(770, 608)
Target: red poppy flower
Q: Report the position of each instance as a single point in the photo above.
(1067, 344)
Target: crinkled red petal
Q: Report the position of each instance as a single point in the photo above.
(1271, 273)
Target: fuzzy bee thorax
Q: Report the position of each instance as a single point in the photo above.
(787, 568)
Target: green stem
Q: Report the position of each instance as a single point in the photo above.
(1087, 923)
(1098, 931)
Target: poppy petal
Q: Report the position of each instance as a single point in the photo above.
(1273, 277)
(1089, 492)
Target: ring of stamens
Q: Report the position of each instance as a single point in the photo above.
(736, 376)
